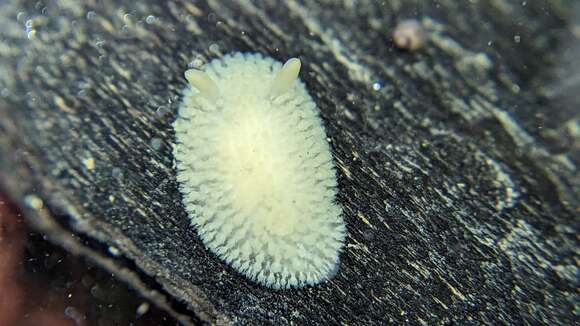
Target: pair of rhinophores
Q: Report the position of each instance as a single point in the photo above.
(256, 172)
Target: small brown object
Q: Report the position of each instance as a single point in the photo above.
(409, 35)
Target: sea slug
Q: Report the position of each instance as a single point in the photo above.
(256, 172)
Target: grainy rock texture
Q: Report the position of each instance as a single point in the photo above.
(457, 163)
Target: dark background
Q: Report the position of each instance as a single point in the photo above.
(457, 175)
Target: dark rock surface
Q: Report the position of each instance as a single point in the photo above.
(456, 163)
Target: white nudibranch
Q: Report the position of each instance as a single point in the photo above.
(256, 172)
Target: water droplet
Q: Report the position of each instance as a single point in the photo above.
(196, 63)
(91, 15)
(29, 23)
(20, 16)
(369, 235)
(69, 311)
(114, 251)
(33, 201)
(156, 143)
(117, 173)
(377, 86)
(98, 293)
(142, 309)
(517, 38)
(214, 48)
(150, 19)
(74, 314)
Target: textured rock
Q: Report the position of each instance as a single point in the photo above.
(457, 163)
